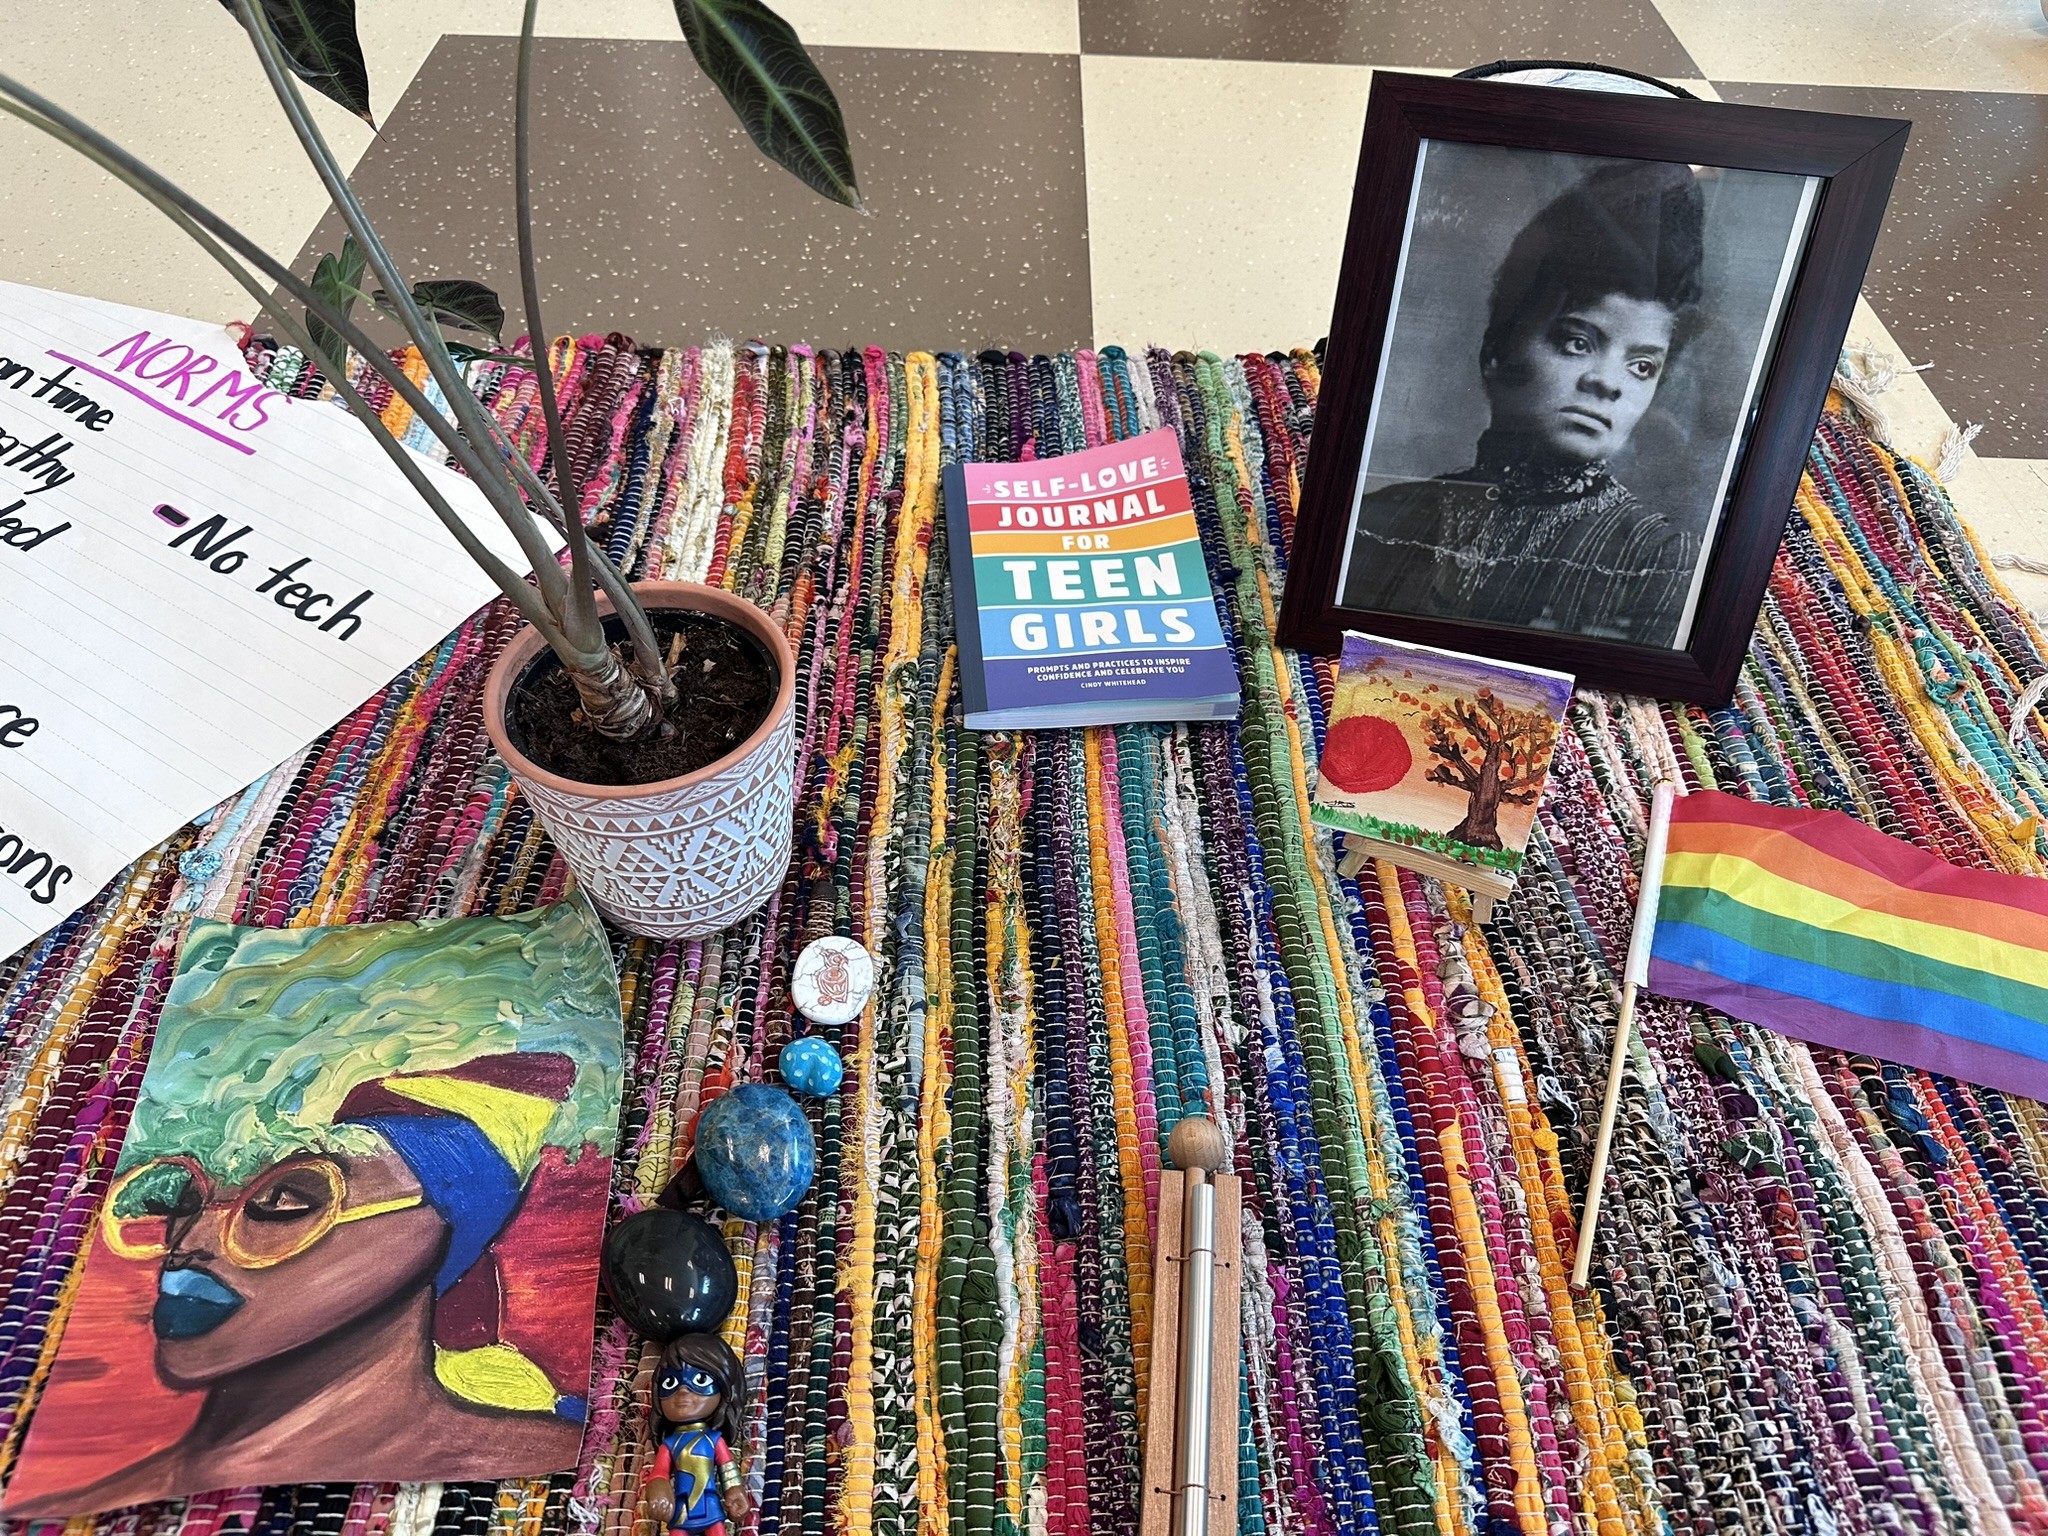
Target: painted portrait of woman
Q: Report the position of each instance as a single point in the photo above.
(1575, 349)
(353, 1233)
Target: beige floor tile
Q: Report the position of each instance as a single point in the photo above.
(1975, 45)
(1217, 196)
(2004, 500)
(1001, 26)
(398, 37)
(1218, 193)
(185, 93)
(1918, 422)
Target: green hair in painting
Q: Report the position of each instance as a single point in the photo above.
(266, 1032)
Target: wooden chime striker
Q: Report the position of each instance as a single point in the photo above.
(1191, 1405)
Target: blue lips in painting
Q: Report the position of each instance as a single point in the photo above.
(190, 1302)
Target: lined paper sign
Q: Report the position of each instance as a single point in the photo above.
(197, 577)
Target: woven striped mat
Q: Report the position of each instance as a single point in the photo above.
(1820, 1287)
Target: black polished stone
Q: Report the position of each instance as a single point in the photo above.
(669, 1273)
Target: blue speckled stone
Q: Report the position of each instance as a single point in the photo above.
(811, 1066)
(755, 1152)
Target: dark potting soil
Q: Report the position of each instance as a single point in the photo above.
(725, 686)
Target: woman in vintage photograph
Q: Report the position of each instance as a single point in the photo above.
(1590, 309)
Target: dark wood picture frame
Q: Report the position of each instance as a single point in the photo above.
(1857, 157)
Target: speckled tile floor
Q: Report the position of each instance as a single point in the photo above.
(656, 218)
(1041, 172)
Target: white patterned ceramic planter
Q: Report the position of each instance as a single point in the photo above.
(687, 856)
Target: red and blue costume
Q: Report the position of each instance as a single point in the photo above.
(701, 1466)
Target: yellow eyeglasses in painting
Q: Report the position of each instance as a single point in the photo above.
(277, 1215)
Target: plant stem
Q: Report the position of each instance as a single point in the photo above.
(194, 216)
(462, 402)
(522, 595)
(615, 704)
(568, 474)
(612, 706)
(647, 663)
(609, 578)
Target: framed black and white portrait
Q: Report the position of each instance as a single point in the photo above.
(1580, 347)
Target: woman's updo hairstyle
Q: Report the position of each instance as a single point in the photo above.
(1633, 228)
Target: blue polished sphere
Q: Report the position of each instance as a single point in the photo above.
(811, 1066)
(755, 1152)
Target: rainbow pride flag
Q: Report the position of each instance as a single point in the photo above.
(1811, 924)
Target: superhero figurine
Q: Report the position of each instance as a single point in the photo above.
(700, 1396)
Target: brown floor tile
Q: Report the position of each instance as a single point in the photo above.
(1958, 276)
(656, 217)
(1392, 34)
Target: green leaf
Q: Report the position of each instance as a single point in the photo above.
(754, 58)
(458, 302)
(338, 281)
(465, 354)
(320, 43)
(329, 342)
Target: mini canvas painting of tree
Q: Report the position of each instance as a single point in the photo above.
(1491, 751)
(1438, 750)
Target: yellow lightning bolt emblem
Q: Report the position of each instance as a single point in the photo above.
(694, 1471)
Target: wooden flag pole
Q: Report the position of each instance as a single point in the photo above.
(1634, 974)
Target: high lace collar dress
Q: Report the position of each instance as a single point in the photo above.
(1518, 541)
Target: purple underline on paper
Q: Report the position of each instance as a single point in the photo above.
(197, 426)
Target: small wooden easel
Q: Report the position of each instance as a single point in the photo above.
(1191, 1403)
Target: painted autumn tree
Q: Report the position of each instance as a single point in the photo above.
(1492, 751)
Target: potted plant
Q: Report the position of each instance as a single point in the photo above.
(651, 724)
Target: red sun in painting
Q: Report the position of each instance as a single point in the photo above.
(1366, 754)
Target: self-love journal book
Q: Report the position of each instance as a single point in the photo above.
(1080, 592)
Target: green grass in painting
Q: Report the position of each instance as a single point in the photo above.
(1402, 835)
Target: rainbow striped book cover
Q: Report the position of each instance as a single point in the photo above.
(1081, 594)
(1812, 924)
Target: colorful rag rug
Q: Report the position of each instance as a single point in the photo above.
(1811, 923)
(1819, 1300)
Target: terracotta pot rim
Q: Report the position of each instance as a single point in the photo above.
(656, 596)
